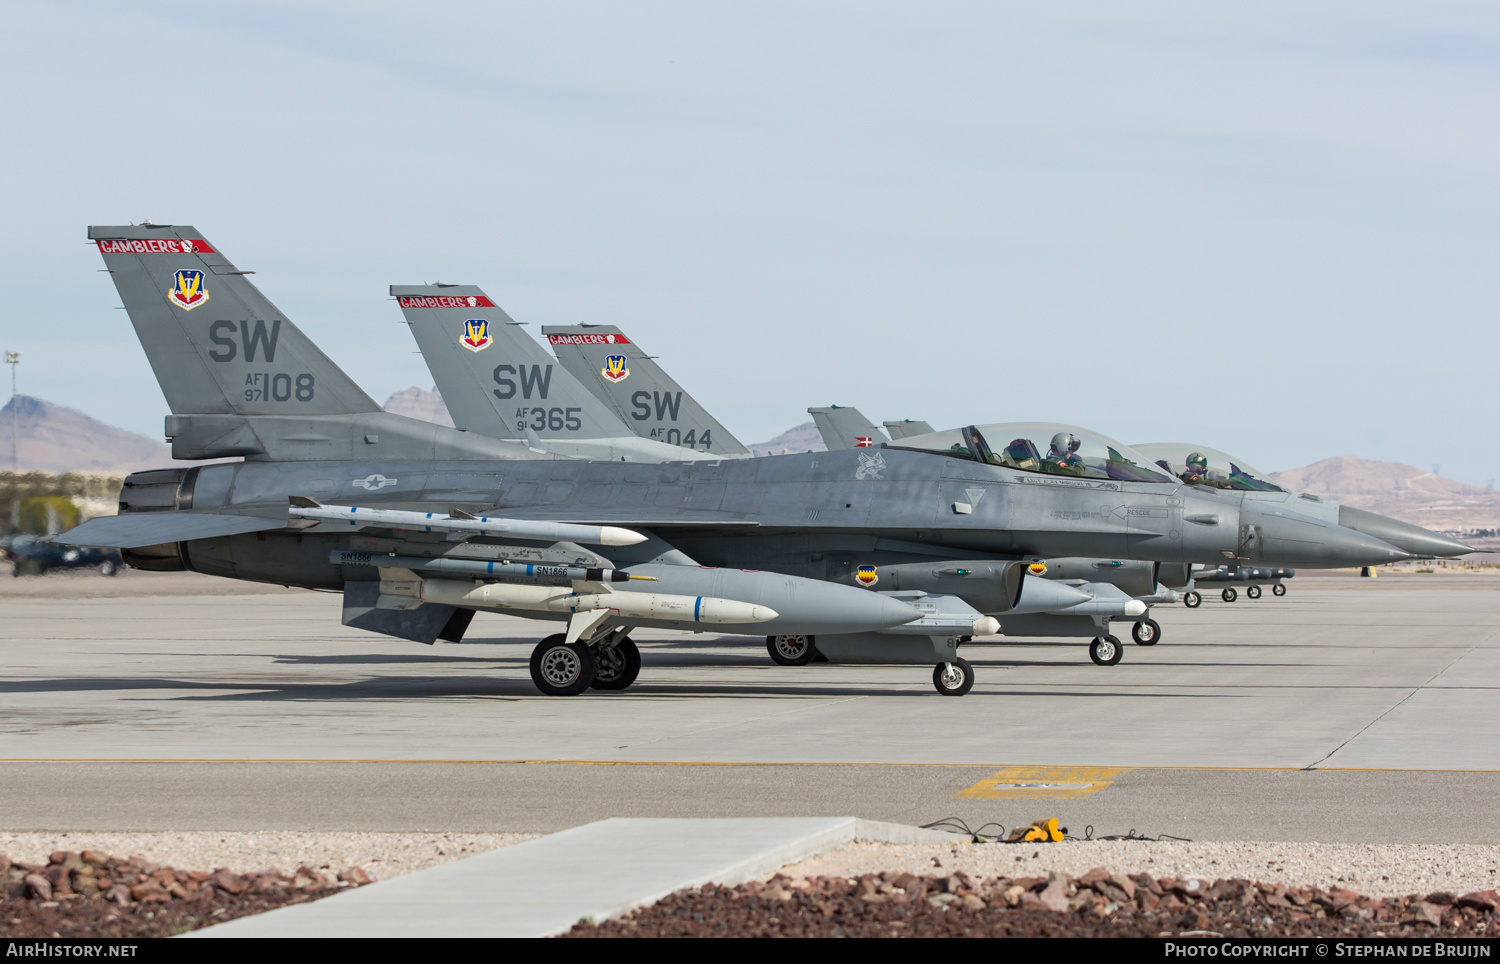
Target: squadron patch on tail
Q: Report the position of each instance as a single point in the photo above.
(188, 290)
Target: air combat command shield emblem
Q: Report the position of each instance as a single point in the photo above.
(476, 334)
(614, 369)
(188, 290)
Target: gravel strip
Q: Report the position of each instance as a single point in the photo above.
(1096, 904)
(1378, 870)
(381, 855)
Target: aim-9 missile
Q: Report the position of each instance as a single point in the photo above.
(458, 521)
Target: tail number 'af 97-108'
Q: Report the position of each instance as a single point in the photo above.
(278, 387)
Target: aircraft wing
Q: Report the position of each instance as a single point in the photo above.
(136, 529)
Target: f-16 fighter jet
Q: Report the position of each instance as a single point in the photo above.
(420, 527)
(1202, 466)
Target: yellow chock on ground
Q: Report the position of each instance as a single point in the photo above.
(1040, 831)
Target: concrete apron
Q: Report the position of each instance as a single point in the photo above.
(544, 886)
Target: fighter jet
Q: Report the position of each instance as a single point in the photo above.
(893, 555)
(497, 381)
(1203, 466)
(1109, 589)
(633, 385)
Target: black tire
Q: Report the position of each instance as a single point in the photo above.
(1278, 590)
(617, 666)
(792, 650)
(1147, 632)
(1106, 650)
(561, 669)
(108, 568)
(1192, 599)
(28, 567)
(1253, 592)
(953, 679)
(1229, 595)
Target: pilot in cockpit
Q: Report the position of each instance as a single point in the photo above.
(1195, 472)
(1062, 457)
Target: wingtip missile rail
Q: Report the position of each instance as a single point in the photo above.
(360, 517)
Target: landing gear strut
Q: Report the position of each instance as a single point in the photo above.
(792, 650)
(1106, 650)
(954, 678)
(560, 668)
(617, 666)
(1147, 632)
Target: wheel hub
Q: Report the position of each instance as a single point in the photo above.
(561, 666)
(792, 647)
(953, 677)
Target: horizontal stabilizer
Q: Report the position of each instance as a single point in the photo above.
(136, 529)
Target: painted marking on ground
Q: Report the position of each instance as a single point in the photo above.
(1041, 783)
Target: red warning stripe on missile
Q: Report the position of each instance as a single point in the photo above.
(446, 301)
(588, 339)
(154, 246)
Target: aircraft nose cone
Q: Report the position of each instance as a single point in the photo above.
(1403, 535)
(1285, 538)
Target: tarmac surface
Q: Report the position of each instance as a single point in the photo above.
(1349, 710)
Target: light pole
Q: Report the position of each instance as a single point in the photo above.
(13, 359)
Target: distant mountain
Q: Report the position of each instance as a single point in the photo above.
(1400, 491)
(55, 438)
(415, 403)
(803, 438)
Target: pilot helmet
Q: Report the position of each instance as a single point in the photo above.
(1197, 460)
(1065, 444)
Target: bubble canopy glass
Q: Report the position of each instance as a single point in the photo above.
(1043, 447)
(1200, 465)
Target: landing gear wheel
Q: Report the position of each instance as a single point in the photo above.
(1147, 632)
(107, 568)
(559, 668)
(1278, 590)
(955, 678)
(1253, 592)
(1229, 595)
(792, 650)
(1106, 650)
(617, 666)
(1192, 599)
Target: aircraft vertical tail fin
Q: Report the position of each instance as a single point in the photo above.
(217, 345)
(845, 428)
(906, 428)
(494, 378)
(634, 386)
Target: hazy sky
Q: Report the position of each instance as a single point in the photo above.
(1271, 228)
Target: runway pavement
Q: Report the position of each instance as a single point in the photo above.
(1347, 711)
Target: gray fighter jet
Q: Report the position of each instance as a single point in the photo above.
(497, 381)
(895, 554)
(1203, 466)
(633, 385)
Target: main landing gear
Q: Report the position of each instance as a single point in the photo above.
(1106, 650)
(792, 650)
(1147, 632)
(561, 668)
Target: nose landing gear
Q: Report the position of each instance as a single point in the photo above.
(1147, 632)
(953, 679)
(1106, 650)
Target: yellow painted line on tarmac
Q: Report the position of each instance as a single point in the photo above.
(1041, 783)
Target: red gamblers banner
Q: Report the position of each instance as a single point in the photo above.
(154, 246)
(446, 301)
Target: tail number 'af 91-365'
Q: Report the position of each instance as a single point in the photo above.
(548, 419)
